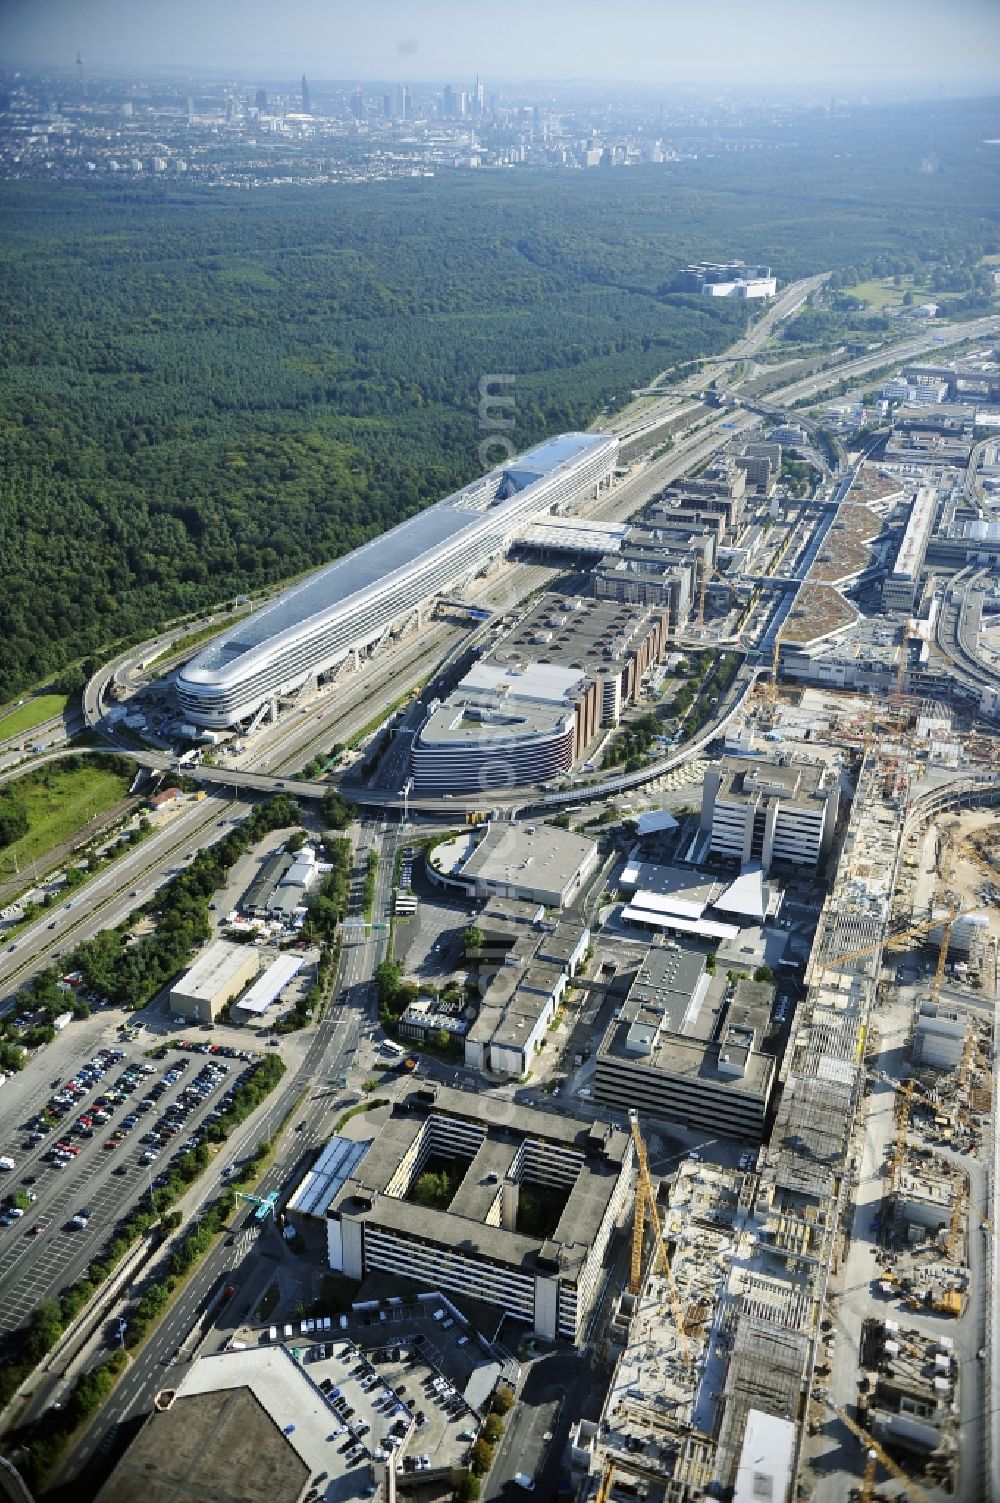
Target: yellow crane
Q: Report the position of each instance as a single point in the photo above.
(646, 1200)
(903, 659)
(606, 1481)
(872, 1446)
(706, 572)
(892, 941)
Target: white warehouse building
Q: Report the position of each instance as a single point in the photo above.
(350, 606)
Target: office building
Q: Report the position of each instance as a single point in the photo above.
(349, 607)
(900, 590)
(306, 107)
(727, 279)
(218, 976)
(358, 104)
(532, 1204)
(670, 1056)
(769, 812)
(498, 730)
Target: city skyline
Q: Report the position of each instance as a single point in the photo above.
(770, 46)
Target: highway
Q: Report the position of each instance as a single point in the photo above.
(641, 415)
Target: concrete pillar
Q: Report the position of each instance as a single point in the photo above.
(770, 823)
(511, 1199)
(709, 790)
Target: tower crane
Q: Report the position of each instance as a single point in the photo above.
(606, 1481)
(894, 940)
(706, 572)
(646, 1200)
(872, 1448)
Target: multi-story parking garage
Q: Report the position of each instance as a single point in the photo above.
(349, 606)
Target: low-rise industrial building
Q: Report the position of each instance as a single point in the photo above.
(535, 863)
(527, 1225)
(268, 987)
(218, 976)
(770, 812)
(225, 1408)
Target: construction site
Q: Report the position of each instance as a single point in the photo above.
(828, 1307)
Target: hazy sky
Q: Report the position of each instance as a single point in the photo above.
(951, 41)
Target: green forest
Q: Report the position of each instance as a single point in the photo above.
(203, 392)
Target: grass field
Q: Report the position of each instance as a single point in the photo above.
(30, 714)
(60, 802)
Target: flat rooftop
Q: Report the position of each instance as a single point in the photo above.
(911, 550)
(601, 1149)
(688, 892)
(186, 1453)
(690, 1058)
(577, 632)
(214, 968)
(528, 856)
(798, 784)
(846, 549)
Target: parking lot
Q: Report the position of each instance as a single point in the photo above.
(430, 944)
(402, 1376)
(98, 1140)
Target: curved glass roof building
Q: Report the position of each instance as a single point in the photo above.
(350, 604)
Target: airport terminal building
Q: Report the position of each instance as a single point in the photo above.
(351, 605)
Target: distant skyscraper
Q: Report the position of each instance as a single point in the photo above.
(306, 109)
(448, 102)
(400, 104)
(190, 108)
(387, 106)
(480, 100)
(262, 99)
(358, 104)
(463, 104)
